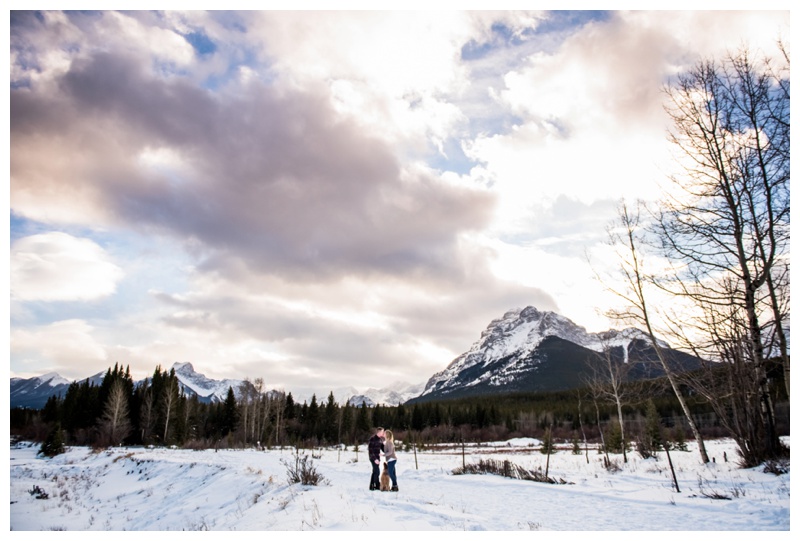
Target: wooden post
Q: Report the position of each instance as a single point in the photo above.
(669, 459)
(549, 444)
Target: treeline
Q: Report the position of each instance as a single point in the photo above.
(155, 412)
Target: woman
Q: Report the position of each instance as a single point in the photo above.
(391, 457)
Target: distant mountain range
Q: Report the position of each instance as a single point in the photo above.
(525, 350)
(398, 393)
(34, 392)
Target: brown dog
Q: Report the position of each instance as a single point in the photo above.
(385, 480)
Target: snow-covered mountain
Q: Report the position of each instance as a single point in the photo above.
(393, 395)
(207, 389)
(34, 392)
(529, 349)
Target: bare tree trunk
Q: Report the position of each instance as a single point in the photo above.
(146, 415)
(170, 399)
(638, 309)
(600, 429)
(583, 431)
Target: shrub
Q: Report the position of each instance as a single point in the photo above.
(778, 467)
(506, 468)
(645, 450)
(38, 493)
(302, 471)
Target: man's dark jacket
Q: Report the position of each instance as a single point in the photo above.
(374, 448)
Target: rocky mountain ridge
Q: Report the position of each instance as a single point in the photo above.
(531, 350)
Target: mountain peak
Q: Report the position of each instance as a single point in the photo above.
(53, 379)
(510, 349)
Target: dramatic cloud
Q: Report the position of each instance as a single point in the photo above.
(280, 181)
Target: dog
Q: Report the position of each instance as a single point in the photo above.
(385, 480)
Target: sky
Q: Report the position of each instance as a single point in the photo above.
(326, 199)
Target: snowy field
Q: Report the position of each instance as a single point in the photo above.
(247, 490)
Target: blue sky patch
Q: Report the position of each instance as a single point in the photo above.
(201, 43)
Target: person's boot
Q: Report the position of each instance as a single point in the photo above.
(395, 489)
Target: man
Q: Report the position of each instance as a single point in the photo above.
(374, 448)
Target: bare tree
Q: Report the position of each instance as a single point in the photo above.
(727, 383)
(169, 401)
(189, 411)
(261, 410)
(625, 237)
(147, 417)
(580, 423)
(267, 403)
(115, 423)
(725, 221)
(279, 400)
(607, 381)
(246, 405)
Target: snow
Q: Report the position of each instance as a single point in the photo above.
(518, 333)
(247, 490)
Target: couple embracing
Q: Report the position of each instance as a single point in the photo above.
(382, 441)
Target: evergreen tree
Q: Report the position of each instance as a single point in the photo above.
(80, 410)
(652, 436)
(289, 407)
(179, 424)
(548, 446)
(311, 420)
(363, 422)
(230, 414)
(52, 410)
(346, 424)
(378, 418)
(54, 443)
(330, 426)
(613, 437)
(400, 418)
(417, 419)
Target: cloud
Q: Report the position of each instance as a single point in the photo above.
(589, 114)
(59, 267)
(67, 347)
(279, 180)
